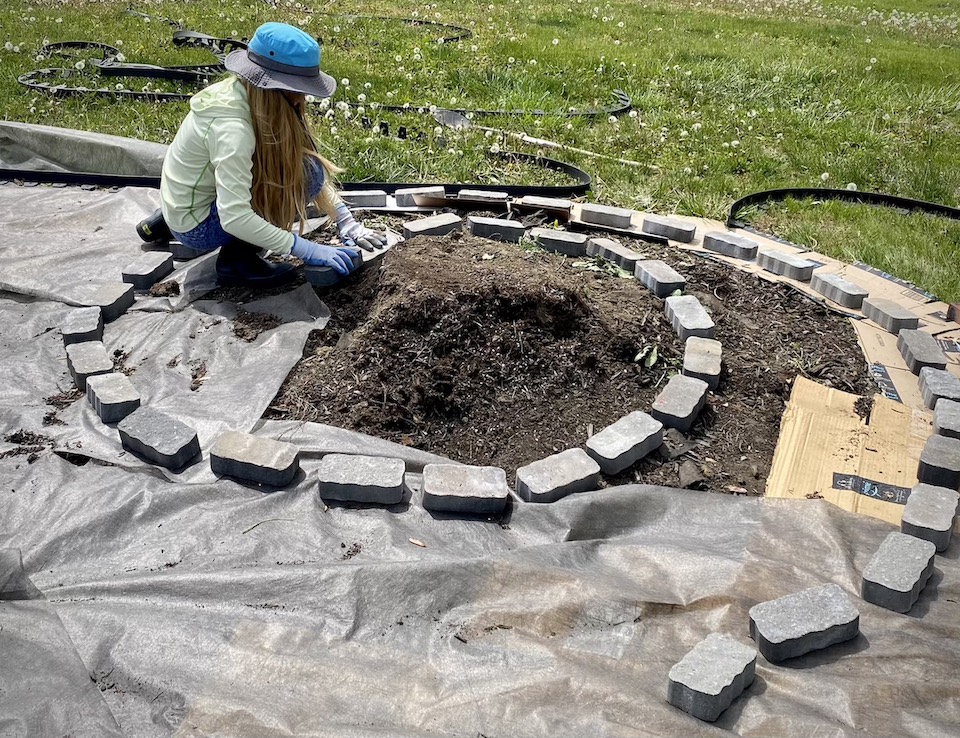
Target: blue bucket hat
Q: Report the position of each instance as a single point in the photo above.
(282, 57)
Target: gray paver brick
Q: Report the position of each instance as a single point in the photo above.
(112, 299)
(606, 216)
(659, 277)
(898, 571)
(805, 621)
(624, 442)
(365, 198)
(369, 479)
(711, 676)
(929, 514)
(940, 462)
(458, 488)
(890, 316)
(182, 252)
(729, 244)
(159, 438)
(680, 402)
(938, 384)
(404, 197)
(841, 291)
(560, 242)
(675, 230)
(483, 195)
(497, 229)
(85, 360)
(920, 349)
(549, 203)
(702, 359)
(436, 225)
(612, 251)
(148, 269)
(557, 476)
(81, 325)
(688, 317)
(326, 276)
(112, 396)
(787, 265)
(946, 418)
(255, 459)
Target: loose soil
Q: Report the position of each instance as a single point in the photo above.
(247, 326)
(489, 354)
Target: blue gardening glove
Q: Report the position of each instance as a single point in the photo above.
(354, 234)
(318, 254)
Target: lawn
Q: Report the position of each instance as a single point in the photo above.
(729, 97)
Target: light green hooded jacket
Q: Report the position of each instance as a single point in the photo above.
(211, 159)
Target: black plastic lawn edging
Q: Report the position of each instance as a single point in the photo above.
(854, 196)
(582, 180)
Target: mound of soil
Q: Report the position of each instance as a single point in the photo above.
(487, 354)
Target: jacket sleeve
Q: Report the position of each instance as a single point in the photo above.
(230, 145)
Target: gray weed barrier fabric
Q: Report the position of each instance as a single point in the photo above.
(143, 602)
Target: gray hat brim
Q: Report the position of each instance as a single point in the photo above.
(323, 85)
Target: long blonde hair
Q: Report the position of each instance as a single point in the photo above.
(283, 140)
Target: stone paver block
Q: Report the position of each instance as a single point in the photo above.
(498, 229)
(87, 359)
(889, 315)
(458, 488)
(659, 277)
(841, 291)
(365, 198)
(548, 203)
(606, 216)
(81, 325)
(731, 245)
(702, 358)
(483, 195)
(148, 269)
(920, 349)
(688, 317)
(898, 571)
(112, 299)
(675, 230)
(182, 252)
(607, 248)
(953, 312)
(255, 459)
(557, 476)
(929, 514)
(805, 621)
(112, 396)
(787, 265)
(404, 197)
(946, 418)
(938, 384)
(327, 276)
(680, 402)
(940, 462)
(436, 225)
(369, 479)
(159, 438)
(711, 676)
(560, 242)
(623, 443)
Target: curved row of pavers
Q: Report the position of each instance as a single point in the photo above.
(717, 670)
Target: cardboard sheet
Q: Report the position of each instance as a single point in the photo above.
(864, 465)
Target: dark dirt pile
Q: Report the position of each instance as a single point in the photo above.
(487, 354)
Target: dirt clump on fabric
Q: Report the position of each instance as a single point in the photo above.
(248, 326)
(492, 354)
(27, 443)
(169, 288)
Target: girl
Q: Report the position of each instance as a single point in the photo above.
(243, 165)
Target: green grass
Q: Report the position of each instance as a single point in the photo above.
(730, 97)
